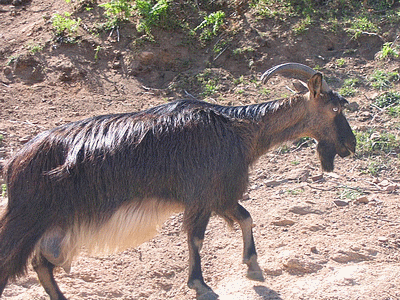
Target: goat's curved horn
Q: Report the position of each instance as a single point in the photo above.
(294, 68)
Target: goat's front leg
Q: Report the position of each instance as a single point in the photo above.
(243, 217)
(195, 241)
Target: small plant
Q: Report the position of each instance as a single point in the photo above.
(350, 193)
(64, 25)
(371, 142)
(388, 51)
(4, 190)
(96, 52)
(117, 11)
(211, 25)
(295, 192)
(341, 62)
(390, 101)
(33, 48)
(151, 14)
(383, 80)
(11, 60)
(209, 83)
(243, 50)
(363, 24)
(302, 26)
(348, 88)
(387, 99)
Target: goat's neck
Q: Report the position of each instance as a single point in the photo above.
(284, 123)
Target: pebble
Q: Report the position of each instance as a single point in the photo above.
(363, 199)
(304, 210)
(317, 177)
(383, 239)
(345, 257)
(340, 203)
(301, 266)
(283, 222)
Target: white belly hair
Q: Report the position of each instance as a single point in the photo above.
(131, 225)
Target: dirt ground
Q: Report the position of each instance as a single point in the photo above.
(318, 235)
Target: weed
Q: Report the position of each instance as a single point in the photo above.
(387, 99)
(371, 142)
(32, 48)
(243, 50)
(350, 193)
(152, 13)
(4, 190)
(11, 60)
(64, 25)
(211, 25)
(295, 192)
(341, 62)
(208, 82)
(239, 80)
(348, 88)
(383, 80)
(96, 52)
(390, 101)
(388, 51)
(302, 26)
(364, 24)
(264, 91)
(1, 139)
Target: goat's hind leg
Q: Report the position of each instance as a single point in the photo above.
(50, 255)
(44, 270)
(243, 217)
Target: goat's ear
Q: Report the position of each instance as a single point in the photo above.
(314, 85)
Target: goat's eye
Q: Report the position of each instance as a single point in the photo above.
(335, 109)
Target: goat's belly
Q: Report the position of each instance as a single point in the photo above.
(131, 225)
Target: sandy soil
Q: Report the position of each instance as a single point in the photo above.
(319, 236)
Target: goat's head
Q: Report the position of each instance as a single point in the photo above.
(325, 120)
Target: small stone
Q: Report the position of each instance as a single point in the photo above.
(391, 188)
(273, 271)
(314, 250)
(363, 199)
(304, 210)
(341, 203)
(345, 257)
(299, 175)
(284, 222)
(383, 239)
(7, 71)
(146, 57)
(271, 183)
(317, 177)
(365, 116)
(353, 106)
(300, 266)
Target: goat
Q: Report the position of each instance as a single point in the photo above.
(107, 182)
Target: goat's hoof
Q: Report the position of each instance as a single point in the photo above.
(210, 295)
(255, 275)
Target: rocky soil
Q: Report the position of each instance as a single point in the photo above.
(319, 235)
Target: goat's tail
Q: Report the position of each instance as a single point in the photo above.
(19, 233)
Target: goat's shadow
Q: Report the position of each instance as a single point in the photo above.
(266, 293)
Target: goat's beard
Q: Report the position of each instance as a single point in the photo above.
(326, 153)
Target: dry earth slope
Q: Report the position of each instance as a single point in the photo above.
(319, 236)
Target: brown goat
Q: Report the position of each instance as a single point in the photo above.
(107, 182)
